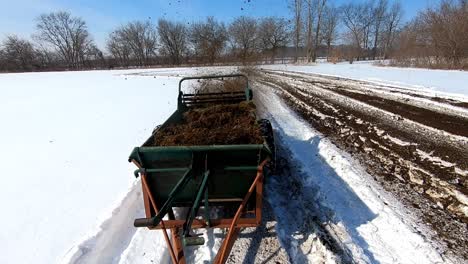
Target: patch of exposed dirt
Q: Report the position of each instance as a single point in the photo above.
(460, 104)
(450, 101)
(452, 124)
(391, 155)
(222, 124)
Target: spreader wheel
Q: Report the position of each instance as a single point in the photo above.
(268, 135)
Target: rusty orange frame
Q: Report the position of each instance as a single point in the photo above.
(233, 224)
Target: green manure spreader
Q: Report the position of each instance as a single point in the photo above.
(177, 177)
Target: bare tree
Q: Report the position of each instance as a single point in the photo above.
(118, 48)
(18, 54)
(173, 40)
(273, 33)
(3, 65)
(296, 7)
(209, 39)
(436, 38)
(309, 24)
(141, 38)
(136, 40)
(93, 57)
(367, 19)
(356, 18)
(351, 19)
(319, 14)
(313, 23)
(379, 13)
(68, 35)
(391, 23)
(448, 27)
(244, 37)
(46, 57)
(330, 23)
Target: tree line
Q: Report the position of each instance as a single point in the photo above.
(62, 41)
(436, 38)
(367, 29)
(370, 29)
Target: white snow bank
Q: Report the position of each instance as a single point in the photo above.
(146, 247)
(107, 245)
(434, 82)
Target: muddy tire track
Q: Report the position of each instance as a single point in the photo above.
(402, 160)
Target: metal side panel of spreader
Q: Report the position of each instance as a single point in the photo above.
(231, 170)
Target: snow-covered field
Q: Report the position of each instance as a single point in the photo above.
(69, 195)
(432, 82)
(65, 138)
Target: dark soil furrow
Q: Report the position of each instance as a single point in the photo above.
(452, 124)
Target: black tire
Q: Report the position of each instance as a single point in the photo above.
(268, 135)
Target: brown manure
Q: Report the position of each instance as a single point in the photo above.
(222, 124)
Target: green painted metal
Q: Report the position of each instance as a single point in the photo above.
(215, 97)
(147, 149)
(167, 169)
(193, 241)
(213, 77)
(232, 169)
(196, 204)
(207, 209)
(168, 204)
(241, 168)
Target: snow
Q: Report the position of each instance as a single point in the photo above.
(146, 247)
(65, 139)
(439, 161)
(433, 82)
(397, 140)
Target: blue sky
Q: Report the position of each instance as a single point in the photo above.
(102, 16)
